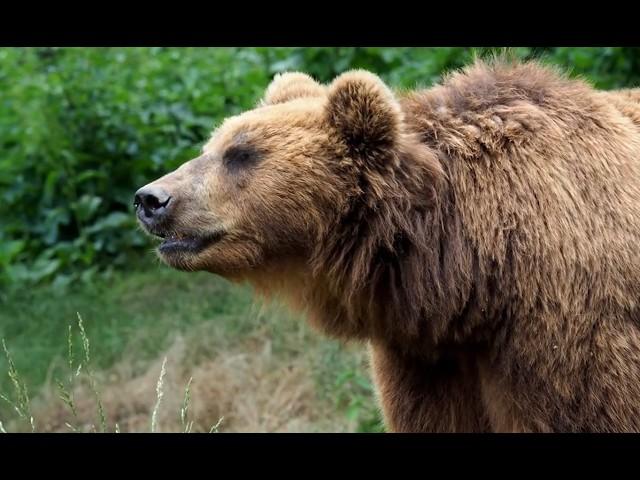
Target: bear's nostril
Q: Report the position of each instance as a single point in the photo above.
(155, 203)
(152, 199)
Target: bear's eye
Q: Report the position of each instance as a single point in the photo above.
(239, 157)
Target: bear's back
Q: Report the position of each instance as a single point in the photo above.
(544, 172)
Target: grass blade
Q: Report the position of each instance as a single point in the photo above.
(160, 394)
(85, 340)
(214, 429)
(67, 398)
(184, 411)
(70, 354)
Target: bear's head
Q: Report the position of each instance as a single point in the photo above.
(273, 184)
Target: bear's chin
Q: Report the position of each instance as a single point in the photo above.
(180, 260)
(185, 252)
(216, 259)
(188, 244)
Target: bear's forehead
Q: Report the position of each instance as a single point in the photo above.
(271, 120)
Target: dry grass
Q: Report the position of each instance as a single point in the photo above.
(248, 387)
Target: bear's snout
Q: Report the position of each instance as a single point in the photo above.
(152, 203)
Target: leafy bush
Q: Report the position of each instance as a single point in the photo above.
(82, 128)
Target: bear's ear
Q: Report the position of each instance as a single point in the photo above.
(364, 112)
(291, 85)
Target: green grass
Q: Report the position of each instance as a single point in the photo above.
(131, 311)
(137, 315)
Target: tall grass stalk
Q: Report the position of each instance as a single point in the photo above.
(160, 394)
(22, 395)
(184, 411)
(92, 381)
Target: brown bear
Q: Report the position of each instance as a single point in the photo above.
(482, 236)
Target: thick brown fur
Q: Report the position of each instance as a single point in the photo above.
(482, 236)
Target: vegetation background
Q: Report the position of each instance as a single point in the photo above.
(80, 130)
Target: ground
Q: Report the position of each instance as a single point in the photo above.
(256, 366)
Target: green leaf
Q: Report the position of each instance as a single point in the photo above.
(9, 250)
(86, 207)
(353, 411)
(112, 221)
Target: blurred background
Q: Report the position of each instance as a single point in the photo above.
(80, 130)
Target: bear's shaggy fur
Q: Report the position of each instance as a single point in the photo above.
(481, 235)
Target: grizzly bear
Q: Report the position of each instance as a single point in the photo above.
(482, 236)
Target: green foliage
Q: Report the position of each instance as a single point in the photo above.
(82, 128)
(345, 382)
(355, 390)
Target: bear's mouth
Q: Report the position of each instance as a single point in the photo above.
(179, 242)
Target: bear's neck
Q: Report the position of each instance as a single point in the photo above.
(395, 267)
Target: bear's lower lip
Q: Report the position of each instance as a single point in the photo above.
(188, 243)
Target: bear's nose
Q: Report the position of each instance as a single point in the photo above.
(151, 202)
